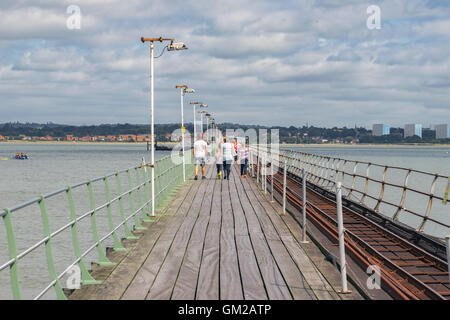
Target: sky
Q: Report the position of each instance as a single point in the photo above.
(267, 62)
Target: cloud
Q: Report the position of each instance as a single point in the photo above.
(269, 62)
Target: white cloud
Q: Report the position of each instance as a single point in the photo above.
(313, 61)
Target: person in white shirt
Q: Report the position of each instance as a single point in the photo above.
(227, 156)
(200, 150)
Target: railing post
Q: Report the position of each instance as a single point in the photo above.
(86, 278)
(447, 239)
(265, 174)
(284, 186)
(13, 271)
(341, 238)
(271, 180)
(258, 170)
(117, 244)
(145, 215)
(102, 259)
(304, 206)
(137, 223)
(48, 252)
(128, 234)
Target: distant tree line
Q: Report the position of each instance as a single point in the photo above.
(304, 134)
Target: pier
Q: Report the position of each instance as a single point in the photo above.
(219, 239)
(270, 236)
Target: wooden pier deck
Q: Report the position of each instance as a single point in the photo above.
(218, 239)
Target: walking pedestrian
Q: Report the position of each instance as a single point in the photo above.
(243, 159)
(200, 150)
(227, 157)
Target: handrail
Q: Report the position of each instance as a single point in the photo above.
(326, 171)
(167, 176)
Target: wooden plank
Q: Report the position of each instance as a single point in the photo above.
(327, 271)
(316, 281)
(186, 282)
(144, 278)
(292, 275)
(276, 286)
(121, 275)
(252, 282)
(230, 278)
(164, 282)
(208, 277)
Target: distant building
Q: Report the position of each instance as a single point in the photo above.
(2, 137)
(412, 130)
(442, 131)
(69, 137)
(379, 130)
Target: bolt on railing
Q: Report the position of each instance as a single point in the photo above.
(167, 176)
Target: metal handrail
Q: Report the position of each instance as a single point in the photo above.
(168, 174)
(326, 171)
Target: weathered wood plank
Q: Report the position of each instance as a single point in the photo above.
(252, 282)
(275, 284)
(208, 278)
(121, 275)
(321, 288)
(186, 282)
(292, 275)
(164, 282)
(144, 278)
(230, 278)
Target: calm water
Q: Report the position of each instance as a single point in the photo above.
(53, 166)
(430, 159)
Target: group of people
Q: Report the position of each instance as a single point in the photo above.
(21, 156)
(226, 153)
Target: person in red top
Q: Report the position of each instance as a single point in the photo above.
(243, 159)
(236, 149)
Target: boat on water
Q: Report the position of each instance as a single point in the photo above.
(21, 156)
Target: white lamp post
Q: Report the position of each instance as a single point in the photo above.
(183, 89)
(195, 124)
(171, 47)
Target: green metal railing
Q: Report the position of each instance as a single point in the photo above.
(168, 175)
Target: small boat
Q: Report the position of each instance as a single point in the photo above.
(21, 156)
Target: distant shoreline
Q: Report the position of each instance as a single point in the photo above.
(281, 145)
(83, 142)
(366, 145)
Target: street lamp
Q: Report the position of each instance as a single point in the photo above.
(171, 47)
(207, 125)
(193, 108)
(183, 89)
(202, 112)
(203, 105)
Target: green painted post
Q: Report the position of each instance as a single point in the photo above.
(13, 271)
(146, 211)
(137, 223)
(48, 251)
(86, 278)
(128, 234)
(117, 244)
(158, 183)
(102, 259)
